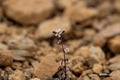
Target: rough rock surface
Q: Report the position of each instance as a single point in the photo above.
(3, 28)
(78, 13)
(45, 28)
(18, 75)
(34, 12)
(97, 68)
(5, 58)
(96, 55)
(110, 31)
(47, 67)
(114, 44)
(115, 66)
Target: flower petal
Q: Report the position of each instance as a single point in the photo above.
(55, 34)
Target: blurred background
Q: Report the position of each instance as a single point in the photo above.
(92, 30)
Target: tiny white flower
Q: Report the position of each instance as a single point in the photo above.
(66, 50)
(58, 32)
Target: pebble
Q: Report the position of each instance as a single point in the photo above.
(18, 75)
(78, 13)
(46, 28)
(114, 59)
(94, 77)
(97, 68)
(33, 13)
(114, 44)
(110, 31)
(77, 69)
(5, 58)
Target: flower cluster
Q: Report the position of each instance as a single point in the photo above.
(65, 50)
(58, 35)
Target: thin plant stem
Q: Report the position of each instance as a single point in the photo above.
(64, 59)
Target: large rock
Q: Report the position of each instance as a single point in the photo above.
(114, 44)
(78, 13)
(28, 11)
(46, 28)
(115, 74)
(110, 31)
(47, 68)
(18, 75)
(22, 43)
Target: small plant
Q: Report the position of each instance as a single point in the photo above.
(63, 75)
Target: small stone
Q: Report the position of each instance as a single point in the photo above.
(18, 75)
(110, 31)
(111, 78)
(5, 58)
(99, 40)
(34, 12)
(114, 44)
(45, 28)
(94, 77)
(9, 70)
(86, 72)
(77, 69)
(22, 43)
(3, 28)
(114, 59)
(115, 74)
(47, 67)
(35, 79)
(76, 59)
(82, 51)
(97, 68)
(114, 66)
(78, 13)
(3, 46)
(17, 65)
(96, 55)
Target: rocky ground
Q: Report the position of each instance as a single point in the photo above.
(29, 49)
